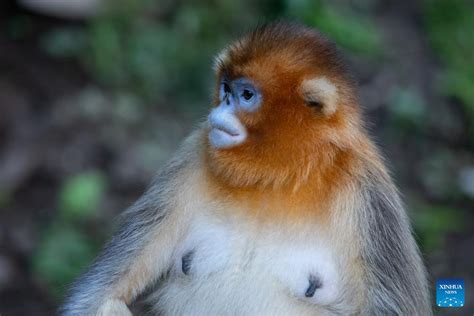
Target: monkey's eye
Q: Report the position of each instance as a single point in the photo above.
(247, 94)
(244, 95)
(314, 104)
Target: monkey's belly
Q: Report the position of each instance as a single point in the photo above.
(221, 271)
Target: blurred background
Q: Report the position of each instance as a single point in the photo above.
(96, 95)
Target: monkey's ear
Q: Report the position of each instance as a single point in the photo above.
(321, 94)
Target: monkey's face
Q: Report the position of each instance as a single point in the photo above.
(235, 96)
(282, 101)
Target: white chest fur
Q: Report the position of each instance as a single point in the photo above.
(238, 268)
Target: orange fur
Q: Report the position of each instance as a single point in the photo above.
(295, 155)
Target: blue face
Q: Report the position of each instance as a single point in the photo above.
(226, 129)
(241, 94)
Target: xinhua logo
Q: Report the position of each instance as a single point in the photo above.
(450, 292)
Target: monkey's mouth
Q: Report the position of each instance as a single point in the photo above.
(224, 129)
(222, 136)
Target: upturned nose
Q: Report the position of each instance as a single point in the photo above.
(226, 129)
(224, 119)
(226, 99)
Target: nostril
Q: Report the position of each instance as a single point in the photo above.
(226, 98)
(314, 284)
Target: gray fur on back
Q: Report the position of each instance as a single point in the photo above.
(395, 274)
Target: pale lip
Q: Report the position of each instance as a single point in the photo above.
(222, 137)
(226, 130)
(225, 127)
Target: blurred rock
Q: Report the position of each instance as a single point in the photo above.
(466, 180)
(7, 271)
(438, 173)
(23, 236)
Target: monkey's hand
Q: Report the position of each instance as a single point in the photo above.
(114, 307)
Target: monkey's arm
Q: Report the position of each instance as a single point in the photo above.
(139, 252)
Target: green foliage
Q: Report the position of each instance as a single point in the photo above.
(450, 24)
(65, 248)
(433, 222)
(130, 49)
(81, 194)
(407, 109)
(64, 42)
(351, 29)
(63, 251)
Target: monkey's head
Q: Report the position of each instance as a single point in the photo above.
(284, 107)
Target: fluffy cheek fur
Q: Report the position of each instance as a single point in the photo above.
(286, 149)
(288, 139)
